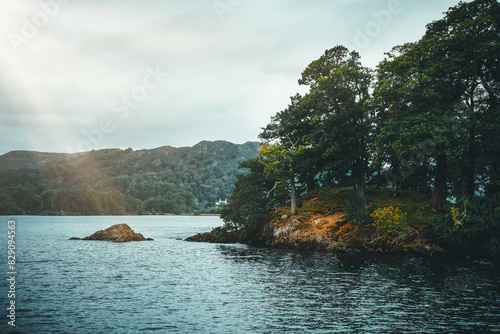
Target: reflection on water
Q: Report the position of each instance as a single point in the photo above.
(172, 286)
(375, 293)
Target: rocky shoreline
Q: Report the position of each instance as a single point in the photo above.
(331, 233)
(320, 225)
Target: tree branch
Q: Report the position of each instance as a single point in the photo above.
(275, 185)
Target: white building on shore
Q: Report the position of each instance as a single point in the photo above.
(221, 202)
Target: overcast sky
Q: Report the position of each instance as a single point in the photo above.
(77, 75)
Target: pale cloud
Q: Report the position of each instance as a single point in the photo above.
(226, 77)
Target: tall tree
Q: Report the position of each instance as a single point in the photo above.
(326, 132)
(248, 206)
(339, 96)
(291, 128)
(469, 41)
(416, 119)
(280, 162)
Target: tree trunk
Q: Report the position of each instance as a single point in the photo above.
(424, 182)
(379, 177)
(494, 185)
(471, 171)
(341, 181)
(293, 203)
(310, 183)
(361, 176)
(472, 153)
(438, 198)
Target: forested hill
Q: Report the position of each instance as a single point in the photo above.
(29, 159)
(114, 181)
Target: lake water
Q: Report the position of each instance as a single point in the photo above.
(172, 286)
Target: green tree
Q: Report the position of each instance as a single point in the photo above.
(339, 99)
(279, 162)
(416, 118)
(327, 131)
(156, 164)
(291, 128)
(437, 99)
(249, 204)
(7, 205)
(468, 41)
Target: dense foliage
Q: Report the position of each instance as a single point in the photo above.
(472, 227)
(163, 180)
(248, 205)
(427, 120)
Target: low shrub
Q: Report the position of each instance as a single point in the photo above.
(389, 219)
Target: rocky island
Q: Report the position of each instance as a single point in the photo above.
(116, 233)
(322, 223)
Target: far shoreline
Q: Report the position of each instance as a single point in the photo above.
(128, 215)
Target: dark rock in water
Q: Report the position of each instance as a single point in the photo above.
(75, 238)
(201, 237)
(116, 233)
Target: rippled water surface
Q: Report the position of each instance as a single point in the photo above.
(172, 286)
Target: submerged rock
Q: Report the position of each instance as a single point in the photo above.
(116, 233)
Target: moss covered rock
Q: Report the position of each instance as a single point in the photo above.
(116, 233)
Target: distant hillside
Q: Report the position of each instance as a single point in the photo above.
(113, 181)
(29, 159)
